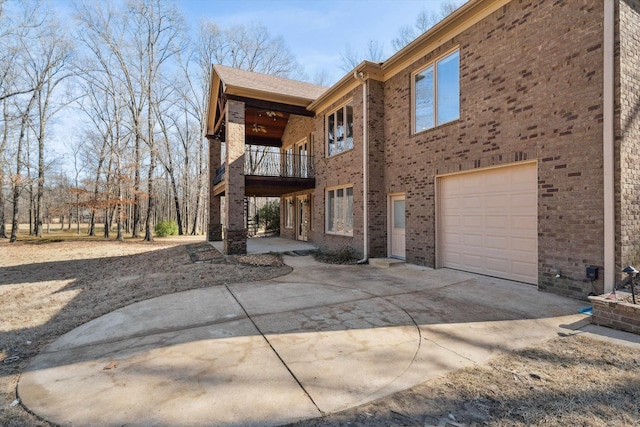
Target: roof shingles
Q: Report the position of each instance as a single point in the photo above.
(235, 77)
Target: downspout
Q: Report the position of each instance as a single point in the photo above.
(359, 75)
(608, 139)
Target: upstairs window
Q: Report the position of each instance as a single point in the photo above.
(436, 93)
(339, 125)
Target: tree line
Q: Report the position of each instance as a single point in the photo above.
(133, 79)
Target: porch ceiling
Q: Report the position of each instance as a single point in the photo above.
(264, 127)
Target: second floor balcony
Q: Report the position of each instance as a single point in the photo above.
(271, 173)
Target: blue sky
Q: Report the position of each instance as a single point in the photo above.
(317, 31)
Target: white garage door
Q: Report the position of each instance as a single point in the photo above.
(488, 222)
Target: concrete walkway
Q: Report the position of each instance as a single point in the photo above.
(264, 245)
(321, 339)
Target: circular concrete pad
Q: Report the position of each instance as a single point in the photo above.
(250, 354)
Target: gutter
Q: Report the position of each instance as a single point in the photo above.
(359, 76)
(608, 139)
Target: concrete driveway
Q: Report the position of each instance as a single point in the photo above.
(319, 340)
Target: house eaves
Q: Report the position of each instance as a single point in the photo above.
(266, 87)
(234, 82)
(457, 22)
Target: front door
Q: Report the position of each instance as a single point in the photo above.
(302, 217)
(397, 225)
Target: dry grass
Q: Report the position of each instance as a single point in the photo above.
(47, 290)
(568, 381)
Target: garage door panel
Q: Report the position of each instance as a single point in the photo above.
(471, 202)
(496, 221)
(524, 244)
(452, 239)
(451, 202)
(471, 260)
(523, 201)
(471, 240)
(524, 222)
(497, 201)
(451, 221)
(489, 222)
(470, 221)
(496, 242)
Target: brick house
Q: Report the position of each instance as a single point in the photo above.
(503, 141)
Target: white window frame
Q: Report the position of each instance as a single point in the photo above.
(434, 65)
(333, 114)
(288, 212)
(344, 220)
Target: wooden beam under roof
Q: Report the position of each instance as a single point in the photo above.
(273, 106)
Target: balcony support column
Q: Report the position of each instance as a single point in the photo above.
(235, 232)
(214, 229)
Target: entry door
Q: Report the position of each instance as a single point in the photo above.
(302, 151)
(397, 226)
(302, 217)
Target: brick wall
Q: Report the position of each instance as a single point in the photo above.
(377, 194)
(531, 83)
(627, 134)
(235, 232)
(341, 169)
(619, 315)
(298, 128)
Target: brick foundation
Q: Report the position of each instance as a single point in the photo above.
(235, 241)
(614, 314)
(214, 232)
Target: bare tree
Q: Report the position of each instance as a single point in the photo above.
(424, 20)
(103, 29)
(351, 58)
(17, 25)
(374, 51)
(156, 31)
(250, 48)
(48, 60)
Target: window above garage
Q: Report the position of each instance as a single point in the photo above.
(436, 93)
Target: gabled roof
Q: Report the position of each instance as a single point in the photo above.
(266, 92)
(266, 87)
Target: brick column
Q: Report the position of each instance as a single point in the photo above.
(235, 233)
(214, 229)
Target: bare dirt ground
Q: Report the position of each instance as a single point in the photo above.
(48, 289)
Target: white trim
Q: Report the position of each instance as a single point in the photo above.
(289, 221)
(326, 208)
(365, 166)
(433, 63)
(608, 137)
(504, 165)
(390, 198)
(326, 128)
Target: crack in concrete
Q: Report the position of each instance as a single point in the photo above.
(276, 352)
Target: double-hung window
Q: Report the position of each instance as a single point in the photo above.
(340, 211)
(339, 125)
(436, 93)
